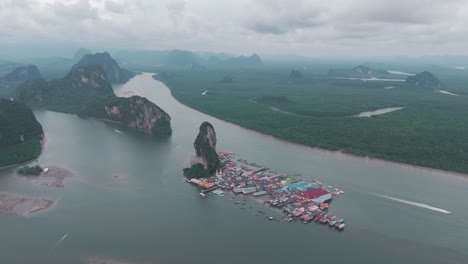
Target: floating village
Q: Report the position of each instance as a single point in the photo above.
(299, 200)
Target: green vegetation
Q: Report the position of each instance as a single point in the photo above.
(30, 170)
(20, 133)
(86, 92)
(430, 131)
(21, 152)
(196, 171)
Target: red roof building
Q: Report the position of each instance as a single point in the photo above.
(313, 193)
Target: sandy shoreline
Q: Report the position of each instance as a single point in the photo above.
(54, 178)
(22, 205)
(331, 152)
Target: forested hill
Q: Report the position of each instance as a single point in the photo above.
(114, 73)
(86, 92)
(20, 133)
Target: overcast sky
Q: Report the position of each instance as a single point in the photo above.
(301, 27)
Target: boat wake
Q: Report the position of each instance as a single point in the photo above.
(118, 131)
(59, 242)
(421, 205)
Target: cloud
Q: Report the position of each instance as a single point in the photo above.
(279, 17)
(115, 7)
(304, 27)
(77, 11)
(176, 10)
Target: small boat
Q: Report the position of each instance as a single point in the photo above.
(202, 195)
(341, 226)
(270, 217)
(46, 170)
(332, 223)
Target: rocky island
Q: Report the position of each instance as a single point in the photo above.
(359, 71)
(425, 79)
(206, 162)
(86, 92)
(22, 73)
(20, 133)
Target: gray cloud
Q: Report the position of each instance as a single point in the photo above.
(305, 27)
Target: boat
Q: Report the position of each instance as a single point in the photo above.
(332, 223)
(202, 195)
(270, 217)
(341, 226)
(46, 170)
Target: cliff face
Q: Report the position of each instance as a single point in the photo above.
(139, 113)
(86, 92)
(113, 71)
(205, 148)
(22, 73)
(425, 79)
(207, 161)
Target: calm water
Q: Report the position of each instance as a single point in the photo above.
(149, 214)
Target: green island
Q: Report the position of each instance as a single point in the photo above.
(30, 170)
(429, 129)
(86, 92)
(20, 133)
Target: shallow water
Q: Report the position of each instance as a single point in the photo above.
(126, 200)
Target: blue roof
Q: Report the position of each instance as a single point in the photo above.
(322, 198)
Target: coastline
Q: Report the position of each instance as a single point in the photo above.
(328, 151)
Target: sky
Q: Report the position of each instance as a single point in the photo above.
(289, 27)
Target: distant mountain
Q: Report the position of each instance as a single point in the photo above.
(360, 71)
(294, 74)
(245, 61)
(185, 59)
(112, 69)
(22, 73)
(180, 58)
(85, 91)
(425, 79)
(20, 133)
(80, 53)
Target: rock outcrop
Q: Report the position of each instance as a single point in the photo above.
(207, 161)
(86, 92)
(18, 127)
(22, 73)
(359, 71)
(425, 79)
(114, 73)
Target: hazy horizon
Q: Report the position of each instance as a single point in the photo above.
(40, 28)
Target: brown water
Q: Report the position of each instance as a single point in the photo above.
(126, 200)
